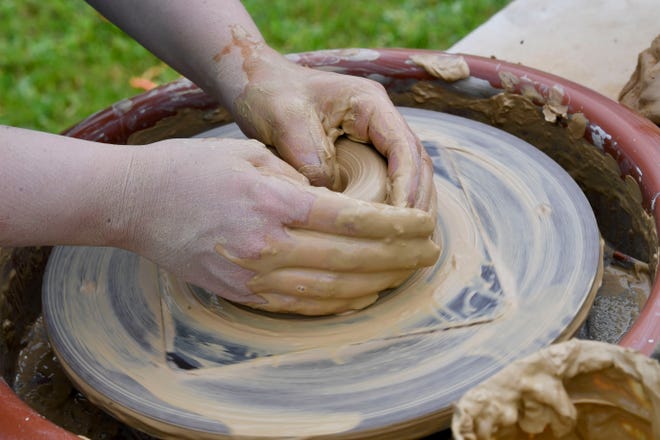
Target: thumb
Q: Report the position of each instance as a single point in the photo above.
(309, 149)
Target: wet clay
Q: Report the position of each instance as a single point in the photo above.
(447, 67)
(642, 92)
(575, 390)
(363, 176)
(230, 371)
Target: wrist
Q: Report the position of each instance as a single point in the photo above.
(57, 190)
(98, 213)
(240, 63)
(135, 180)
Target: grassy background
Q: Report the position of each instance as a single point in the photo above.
(60, 61)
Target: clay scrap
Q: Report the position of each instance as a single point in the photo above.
(573, 390)
(447, 67)
(642, 92)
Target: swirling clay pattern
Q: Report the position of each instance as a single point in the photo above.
(520, 264)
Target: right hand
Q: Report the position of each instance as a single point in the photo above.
(229, 216)
(301, 112)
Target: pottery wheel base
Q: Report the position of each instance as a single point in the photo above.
(520, 264)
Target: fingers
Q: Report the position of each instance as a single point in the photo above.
(312, 306)
(314, 250)
(309, 149)
(391, 136)
(267, 164)
(374, 118)
(337, 214)
(338, 253)
(347, 252)
(426, 193)
(314, 283)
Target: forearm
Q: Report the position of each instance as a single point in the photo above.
(59, 190)
(206, 41)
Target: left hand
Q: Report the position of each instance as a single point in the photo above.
(301, 112)
(229, 216)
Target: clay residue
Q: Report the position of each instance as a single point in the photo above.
(577, 389)
(642, 92)
(554, 106)
(241, 40)
(363, 172)
(444, 66)
(577, 126)
(509, 81)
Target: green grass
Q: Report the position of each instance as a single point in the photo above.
(60, 61)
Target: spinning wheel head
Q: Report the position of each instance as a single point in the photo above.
(520, 263)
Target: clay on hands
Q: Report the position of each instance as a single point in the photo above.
(573, 390)
(232, 218)
(302, 112)
(642, 92)
(297, 110)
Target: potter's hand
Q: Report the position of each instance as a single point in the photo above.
(229, 216)
(301, 112)
(226, 215)
(297, 110)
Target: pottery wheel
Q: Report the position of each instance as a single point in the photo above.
(520, 264)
